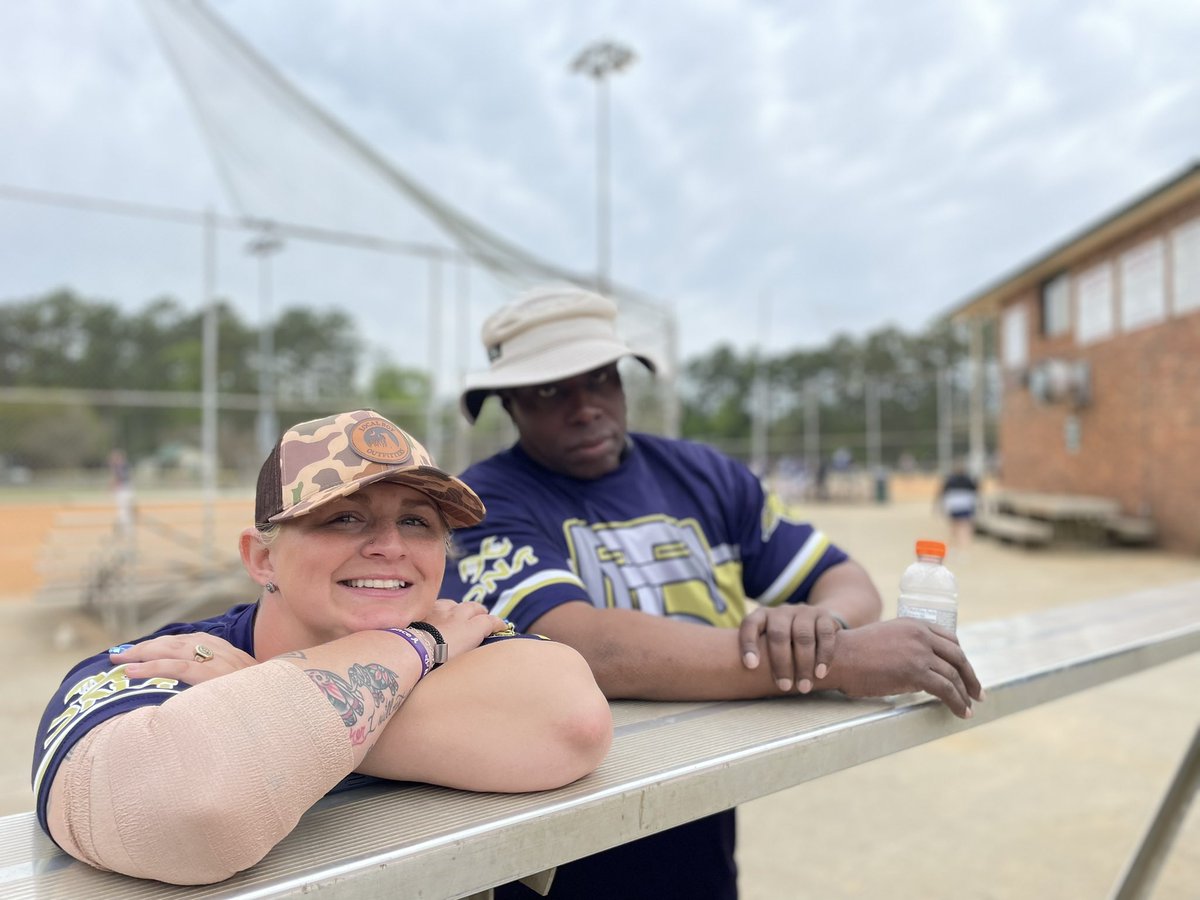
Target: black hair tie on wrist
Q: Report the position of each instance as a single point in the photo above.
(440, 652)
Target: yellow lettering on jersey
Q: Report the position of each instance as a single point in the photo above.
(671, 551)
(93, 689)
(659, 565)
(613, 556)
(773, 512)
(491, 565)
(690, 599)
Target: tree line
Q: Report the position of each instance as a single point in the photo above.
(822, 398)
(66, 342)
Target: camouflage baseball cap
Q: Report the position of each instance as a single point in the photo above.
(318, 461)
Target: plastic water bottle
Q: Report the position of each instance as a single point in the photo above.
(928, 589)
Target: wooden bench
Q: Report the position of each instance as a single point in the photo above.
(1014, 529)
(1073, 518)
(1131, 531)
(670, 763)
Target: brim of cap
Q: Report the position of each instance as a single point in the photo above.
(554, 364)
(459, 504)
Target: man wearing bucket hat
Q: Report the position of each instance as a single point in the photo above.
(644, 552)
(186, 755)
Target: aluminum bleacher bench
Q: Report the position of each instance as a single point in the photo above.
(1130, 530)
(670, 763)
(1014, 529)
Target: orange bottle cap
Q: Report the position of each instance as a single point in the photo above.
(931, 548)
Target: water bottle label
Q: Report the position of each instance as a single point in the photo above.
(915, 612)
(946, 618)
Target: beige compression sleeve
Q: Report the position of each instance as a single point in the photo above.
(203, 786)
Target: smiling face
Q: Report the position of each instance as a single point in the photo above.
(372, 559)
(575, 426)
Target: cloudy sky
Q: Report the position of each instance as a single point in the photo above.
(781, 172)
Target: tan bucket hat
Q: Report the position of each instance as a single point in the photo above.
(318, 461)
(547, 334)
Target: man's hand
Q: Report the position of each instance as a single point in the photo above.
(903, 655)
(800, 643)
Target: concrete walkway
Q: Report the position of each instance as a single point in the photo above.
(1047, 803)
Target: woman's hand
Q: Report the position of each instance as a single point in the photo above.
(463, 625)
(194, 658)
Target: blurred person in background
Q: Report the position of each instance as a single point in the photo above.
(120, 481)
(186, 755)
(959, 501)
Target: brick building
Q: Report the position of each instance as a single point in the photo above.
(1098, 345)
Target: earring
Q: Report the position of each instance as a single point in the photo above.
(271, 587)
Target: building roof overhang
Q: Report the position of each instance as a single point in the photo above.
(1159, 201)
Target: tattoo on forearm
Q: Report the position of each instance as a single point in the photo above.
(292, 654)
(348, 698)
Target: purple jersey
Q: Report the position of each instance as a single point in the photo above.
(677, 530)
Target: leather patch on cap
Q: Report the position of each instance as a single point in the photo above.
(378, 440)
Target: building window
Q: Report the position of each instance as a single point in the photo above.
(1056, 310)
(1072, 434)
(1185, 251)
(1143, 299)
(1094, 304)
(1016, 337)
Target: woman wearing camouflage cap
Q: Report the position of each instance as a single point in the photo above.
(185, 756)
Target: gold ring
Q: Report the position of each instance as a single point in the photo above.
(202, 654)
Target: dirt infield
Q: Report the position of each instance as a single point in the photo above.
(25, 526)
(1047, 803)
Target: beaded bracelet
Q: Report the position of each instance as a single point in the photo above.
(418, 645)
(441, 652)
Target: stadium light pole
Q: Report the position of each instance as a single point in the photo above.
(263, 248)
(597, 61)
(211, 336)
(760, 397)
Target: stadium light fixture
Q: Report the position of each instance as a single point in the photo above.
(597, 61)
